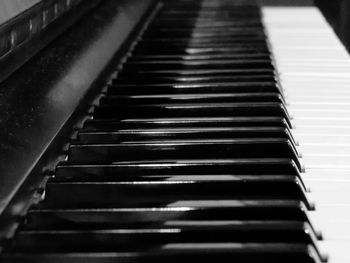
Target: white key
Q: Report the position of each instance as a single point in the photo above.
(313, 68)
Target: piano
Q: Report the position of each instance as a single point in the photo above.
(161, 131)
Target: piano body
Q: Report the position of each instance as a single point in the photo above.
(160, 131)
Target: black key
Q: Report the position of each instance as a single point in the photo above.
(174, 253)
(201, 24)
(203, 34)
(185, 122)
(200, 211)
(263, 109)
(197, 73)
(181, 133)
(176, 149)
(147, 239)
(191, 98)
(202, 50)
(212, 48)
(237, 32)
(202, 64)
(185, 42)
(175, 167)
(160, 193)
(149, 78)
(221, 87)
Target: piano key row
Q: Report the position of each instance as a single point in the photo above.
(313, 67)
(175, 193)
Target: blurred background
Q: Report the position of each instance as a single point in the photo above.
(337, 13)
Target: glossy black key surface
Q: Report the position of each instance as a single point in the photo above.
(171, 88)
(140, 239)
(182, 149)
(175, 167)
(197, 73)
(205, 252)
(204, 23)
(202, 42)
(191, 98)
(233, 32)
(189, 133)
(199, 211)
(185, 122)
(166, 110)
(158, 193)
(203, 64)
(154, 78)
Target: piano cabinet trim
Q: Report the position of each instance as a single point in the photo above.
(43, 100)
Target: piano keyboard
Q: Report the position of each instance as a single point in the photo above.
(198, 150)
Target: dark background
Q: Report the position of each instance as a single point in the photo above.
(337, 13)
